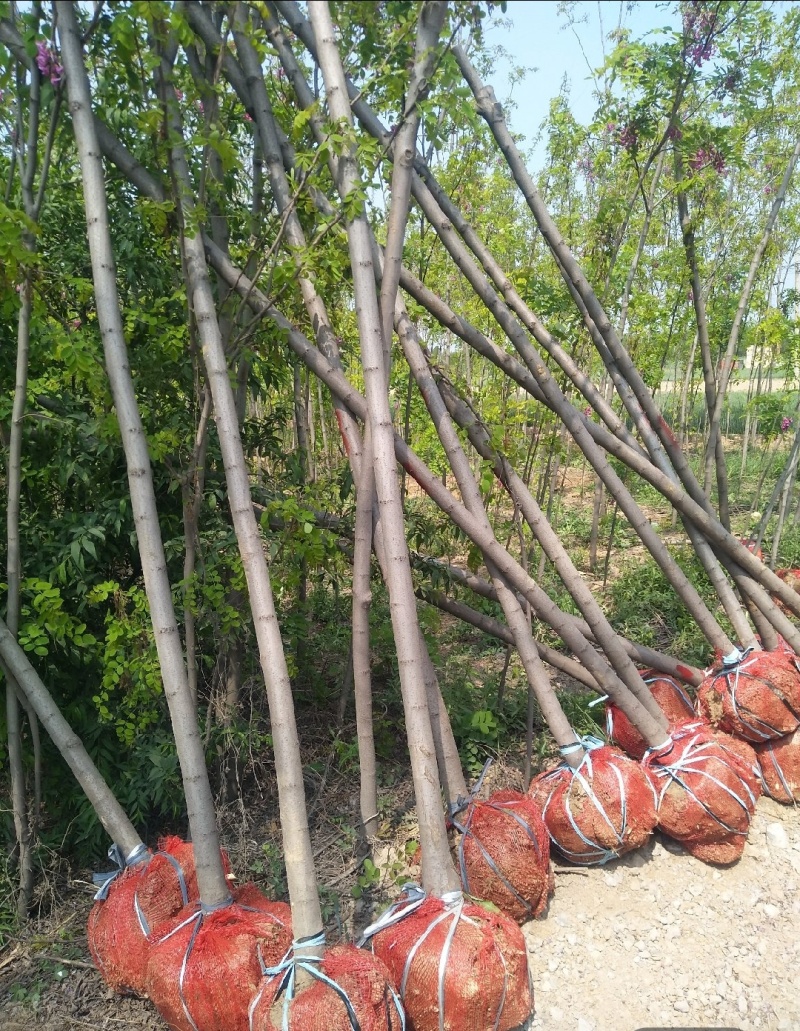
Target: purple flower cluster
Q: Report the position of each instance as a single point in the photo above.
(586, 165)
(786, 423)
(708, 157)
(699, 23)
(628, 137)
(48, 65)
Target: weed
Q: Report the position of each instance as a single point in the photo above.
(269, 868)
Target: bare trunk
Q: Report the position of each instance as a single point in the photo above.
(714, 453)
(362, 678)
(109, 812)
(211, 876)
(306, 913)
(19, 799)
(470, 493)
(438, 874)
(192, 500)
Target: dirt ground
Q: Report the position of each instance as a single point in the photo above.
(655, 940)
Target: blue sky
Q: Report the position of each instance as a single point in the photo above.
(542, 38)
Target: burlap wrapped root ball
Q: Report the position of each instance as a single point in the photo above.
(504, 853)
(354, 993)
(756, 699)
(707, 793)
(457, 966)
(139, 902)
(673, 700)
(602, 810)
(205, 968)
(780, 767)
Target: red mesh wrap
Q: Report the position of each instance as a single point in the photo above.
(602, 810)
(319, 1007)
(116, 936)
(673, 700)
(751, 543)
(741, 749)
(504, 853)
(222, 971)
(707, 793)
(780, 767)
(482, 959)
(757, 699)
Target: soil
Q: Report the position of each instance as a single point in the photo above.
(655, 940)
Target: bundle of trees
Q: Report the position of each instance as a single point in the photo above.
(318, 269)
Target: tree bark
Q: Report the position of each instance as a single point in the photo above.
(108, 809)
(210, 873)
(298, 856)
(438, 873)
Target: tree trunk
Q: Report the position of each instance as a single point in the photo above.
(438, 874)
(109, 812)
(210, 873)
(306, 913)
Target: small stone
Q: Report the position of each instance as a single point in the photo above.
(777, 836)
(696, 890)
(681, 1005)
(585, 1025)
(744, 972)
(556, 1014)
(741, 1005)
(770, 911)
(613, 878)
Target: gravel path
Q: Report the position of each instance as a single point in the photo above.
(660, 940)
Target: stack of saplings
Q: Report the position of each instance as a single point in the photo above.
(169, 923)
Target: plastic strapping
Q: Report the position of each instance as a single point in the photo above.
(286, 971)
(197, 919)
(763, 730)
(143, 924)
(674, 684)
(137, 855)
(105, 880)
(735, 657)
(597, 852)
(465, 830)
(453, 906)
(461, 802)
(203, 909)
(414, 897)
(781, 777)
(587, 743)
(690, 761)
(453, 902)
